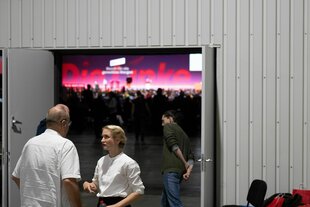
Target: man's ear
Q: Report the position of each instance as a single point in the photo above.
(63, 121)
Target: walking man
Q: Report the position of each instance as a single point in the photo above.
(177, 161)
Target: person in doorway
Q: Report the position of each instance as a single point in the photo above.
(117, 176)
(177, 160)
(41, 127)
(141, 113)
(42, 124)
(48, 170)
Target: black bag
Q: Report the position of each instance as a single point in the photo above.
(289, 200)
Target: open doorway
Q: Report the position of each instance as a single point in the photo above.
(22, 75)
(124, 72)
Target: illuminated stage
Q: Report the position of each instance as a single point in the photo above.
(114, 72)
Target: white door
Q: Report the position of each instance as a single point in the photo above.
(29, 92)
(208, 128)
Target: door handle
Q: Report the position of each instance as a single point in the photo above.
(207, 160)
(14, 121)
(203, 162)
(14, 125)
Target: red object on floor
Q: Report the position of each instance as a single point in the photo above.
(305, 194)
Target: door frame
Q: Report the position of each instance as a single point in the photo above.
(4, 146)
(208, 164)
(212, 156)
(208, 115)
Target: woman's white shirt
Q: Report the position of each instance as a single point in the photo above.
(117, 176)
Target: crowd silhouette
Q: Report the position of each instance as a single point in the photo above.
(137, 111)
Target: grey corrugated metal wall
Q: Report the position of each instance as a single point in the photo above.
(262, 73)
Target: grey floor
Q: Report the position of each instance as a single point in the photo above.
(148, 156)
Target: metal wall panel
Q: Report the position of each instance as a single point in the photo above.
(15, 23)
(282, 164)
(238, 138)
(191, 22)
(83, 22)
(26, 23)
(204, 21)
(38, 24)
(216, 8)
(154, 27)
(251, 89)
(223, 139)
(130, 25)
(106, 32)
(167, 21)
(117, 23)
(243, 90)
(179, 25)
(60, 24)
(142, 20)
(230, 102)
(256, 161)
(291, 94)
(263, 76)
(297, 57)
(268, 141)
(94, 23)
(278, 89)
(49, 23)
(71, 20)
(4, 22)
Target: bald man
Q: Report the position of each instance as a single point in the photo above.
(42, 125)
(48, 170)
